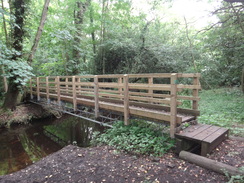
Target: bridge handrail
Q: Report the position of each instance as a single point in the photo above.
(160, 90)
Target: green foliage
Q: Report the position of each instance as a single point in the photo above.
(223, 107)
(138, 138)
(235, 178)
(19, 70)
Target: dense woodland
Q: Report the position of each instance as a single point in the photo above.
(77, 37)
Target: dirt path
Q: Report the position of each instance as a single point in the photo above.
(104, 164)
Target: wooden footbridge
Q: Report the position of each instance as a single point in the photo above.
(156, 97)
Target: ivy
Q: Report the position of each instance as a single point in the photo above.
(18, 70)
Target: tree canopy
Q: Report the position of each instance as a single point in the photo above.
(108, 37)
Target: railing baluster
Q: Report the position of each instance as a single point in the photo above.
(57, 80)
(195, 93)
(74, 93)
(96, 96)
(31, 90)
(38, 88)
(47, 89)
(173, 104)
(126, 100)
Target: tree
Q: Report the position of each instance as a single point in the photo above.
(39, 31)
(18, 9)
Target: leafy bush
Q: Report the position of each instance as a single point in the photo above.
(138, 138)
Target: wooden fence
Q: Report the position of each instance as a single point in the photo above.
(153, 96)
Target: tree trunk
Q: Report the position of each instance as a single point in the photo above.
(190, 45)
(210, 164)
(11, 96)
(39, 31)
(18, 9)
(242, 80)
(4, 25)
(78, 19)
(93, 32)
(102, 35)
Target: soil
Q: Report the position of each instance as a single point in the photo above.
(106, 164)
(23, 114)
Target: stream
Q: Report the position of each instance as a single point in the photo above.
(22, 145)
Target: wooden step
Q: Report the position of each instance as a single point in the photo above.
(208, 136)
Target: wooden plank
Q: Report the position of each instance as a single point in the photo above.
(188, 98)
(189, 75)
(155, 75)
(173, 104)
(38, 89)
(85, 84)
(193, 130)
(110, 85)
(85, 76)
(181, 86)
(195, 94)
(31, 90)
(126, 99)
(147, 99)
(213, 140)
(111, 91)
(110, 76)
(207, 132)
(147, 94)
(150, 114)
(162, 87)
(120, 90)
(197, 131)
(96, 97)
(58, 89)
(47, 89)
(150, 91)
(111, 95)
(215, 135)
(74, 93)
(112, 107)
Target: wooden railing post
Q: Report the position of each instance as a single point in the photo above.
(195, 93)
(57, 80)
(47, 89)
(173, 104)
(120, 80)
(31, 90)
(126, 100)
(74, 93)
(66, 86)
(38, 88)
(96, 96)
(150, 82)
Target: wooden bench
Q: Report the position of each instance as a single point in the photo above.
(208, 136)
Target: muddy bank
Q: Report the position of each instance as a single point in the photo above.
(105, 164)
(23, 114)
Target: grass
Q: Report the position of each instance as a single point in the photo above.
(223, 107)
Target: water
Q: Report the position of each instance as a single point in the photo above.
(21, 146)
